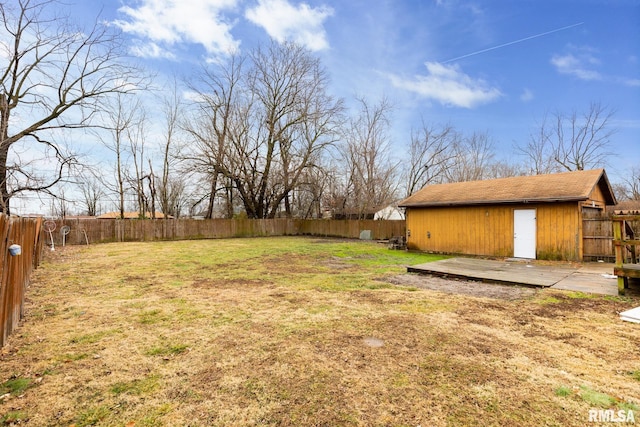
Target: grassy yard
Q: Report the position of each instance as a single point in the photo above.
(302, 331)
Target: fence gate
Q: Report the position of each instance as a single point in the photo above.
(597, 236)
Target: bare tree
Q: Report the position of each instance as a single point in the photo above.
(60, 206)
(311, 191)
(629, 188)
(151, 200)
(571, 142)
(431, 152)
(220, 94)
(119, 121)
(92, 192)
(301, 121)
(260, 128)
(135, 134)
(473, 157)
(371, 172)
(503, 169)
(538, 152)
(56, 76)
(170, 188)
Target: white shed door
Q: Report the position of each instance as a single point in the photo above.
(524, 233)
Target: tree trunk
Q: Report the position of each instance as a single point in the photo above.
(4, 153)
(212, 197)
(4, 191)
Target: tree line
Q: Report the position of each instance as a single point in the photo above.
(259, 134)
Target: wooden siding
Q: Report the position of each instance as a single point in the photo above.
(596, 197)
(488, 230)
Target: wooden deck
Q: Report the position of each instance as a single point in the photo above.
(590, 278)
(628, 270)
(625, 245)
(505, 272)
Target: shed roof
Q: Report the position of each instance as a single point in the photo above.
(560, 187)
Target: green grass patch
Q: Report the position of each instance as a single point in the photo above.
(595, 398)
(92, 338)
(15, 386)
(153, 418)
(580, 295)
(167, 350)
(378, 257)
(150, 317)
(73, 357)
(14, 417)
(136, 387)
(548, 300)
(563, 391)
(92, 416)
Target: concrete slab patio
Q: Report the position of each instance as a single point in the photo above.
(594, 278)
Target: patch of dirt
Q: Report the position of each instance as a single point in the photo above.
(332, 240)
(462, 287)
(230, 283)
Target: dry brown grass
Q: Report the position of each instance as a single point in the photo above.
(294, 331)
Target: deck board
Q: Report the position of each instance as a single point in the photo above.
(628, 270)
(590, 277)
(520, 273)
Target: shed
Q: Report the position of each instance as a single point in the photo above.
(390, 212)
(535, 217)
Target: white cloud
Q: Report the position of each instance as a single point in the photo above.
(526, 95)
(577, 66)
(631, 82)
(150, 50)
(449, 86)
(284, 21)
(168, 22)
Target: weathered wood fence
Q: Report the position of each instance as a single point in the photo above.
(627, 248)
(87, 231)
(16, 269)
(597, 239)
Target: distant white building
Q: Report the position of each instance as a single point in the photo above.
(390, 212)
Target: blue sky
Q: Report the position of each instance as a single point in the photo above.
(494, 66)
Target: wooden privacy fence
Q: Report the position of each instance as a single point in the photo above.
(16, 269)
(597, 239)
(87, 231)
(627, 248)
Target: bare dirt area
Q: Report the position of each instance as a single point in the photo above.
(462, 287)
(287, 332)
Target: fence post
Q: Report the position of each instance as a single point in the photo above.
(619, 250)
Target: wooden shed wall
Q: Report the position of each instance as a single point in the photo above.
(596, 196)
(488, 230)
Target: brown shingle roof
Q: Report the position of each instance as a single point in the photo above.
(568, 186)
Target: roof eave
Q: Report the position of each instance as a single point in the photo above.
(494, 202)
